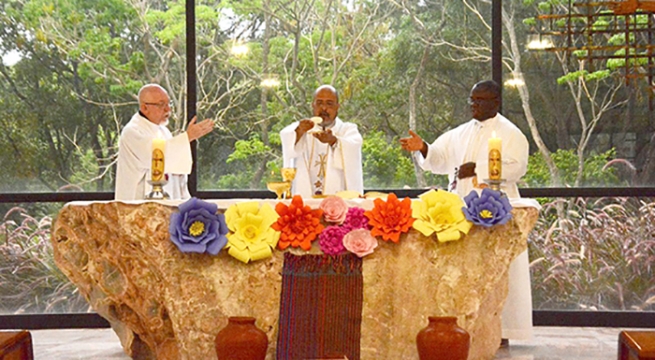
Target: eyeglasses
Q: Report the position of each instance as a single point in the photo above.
(472, 101)
(161, 104)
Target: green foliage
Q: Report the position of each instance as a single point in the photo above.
(384, 163)
(585, 75)
(249, 149)
(600, 24)
(530, 22)
(594, 174)
(616, 39)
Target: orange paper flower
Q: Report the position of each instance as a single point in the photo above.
(390, 218)
(299, 224)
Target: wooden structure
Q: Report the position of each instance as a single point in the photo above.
(16, 345)
(637, 345)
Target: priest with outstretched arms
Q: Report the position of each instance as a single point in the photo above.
(137, 163)
(326, 151)
(462, 153)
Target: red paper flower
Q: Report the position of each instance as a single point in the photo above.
(299, 224)
(390, 218)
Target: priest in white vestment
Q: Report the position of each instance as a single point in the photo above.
(462, 154)
(135, 148)
(327, 154)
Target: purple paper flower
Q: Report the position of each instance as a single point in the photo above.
(331, 240)
(488, 209)
(198, 228)
(355, 219)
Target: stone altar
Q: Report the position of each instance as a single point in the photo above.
(165, 304)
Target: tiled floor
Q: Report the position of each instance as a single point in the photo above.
(549, 343)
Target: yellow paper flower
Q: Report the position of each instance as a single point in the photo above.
(251, 236)
(440, 212)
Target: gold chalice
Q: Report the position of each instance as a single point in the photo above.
(288, 174)
(279, 187)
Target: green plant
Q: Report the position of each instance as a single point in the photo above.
(597, 258)
(595, 172)
(30, 282)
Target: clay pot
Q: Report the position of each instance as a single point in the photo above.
(442, 339)
(240, 339)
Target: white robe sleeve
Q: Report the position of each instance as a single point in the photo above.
(438, 159)
(347, 156)
(290, 150)
(177, 158)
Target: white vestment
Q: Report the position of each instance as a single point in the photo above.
(468, 143)
(135, 158)
(341, 164)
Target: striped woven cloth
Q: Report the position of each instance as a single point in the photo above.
(320, 307)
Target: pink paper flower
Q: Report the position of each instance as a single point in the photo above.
(334, 209)
(355, 219)
(331, 240)
(360, 242)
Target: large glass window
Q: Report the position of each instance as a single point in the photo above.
(396, 65)
(30, 281)
(594, 254)
(577, 78)
(71, 70)
(69, 78)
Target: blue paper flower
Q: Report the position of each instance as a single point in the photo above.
(488, 209)
(198, 228)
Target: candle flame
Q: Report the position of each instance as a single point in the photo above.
(493, 134)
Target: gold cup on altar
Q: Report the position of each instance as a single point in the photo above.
(283, 188)
(280, 188)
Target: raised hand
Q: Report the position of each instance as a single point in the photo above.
(412, 143)
(303, 126)
(197, 130)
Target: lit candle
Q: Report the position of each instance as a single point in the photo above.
(495, 159)
(157, 170)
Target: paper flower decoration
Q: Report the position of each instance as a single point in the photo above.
(334, 209)
(355, 219)
(331, 240)
(298, 224)
(360, 242)
(198, 228)
(251, 236)
(390, 218)
(440, 212)
(488, 209)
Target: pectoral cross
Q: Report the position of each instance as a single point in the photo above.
(321, 163)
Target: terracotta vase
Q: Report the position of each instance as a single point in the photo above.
(442, 339)
(240, 339)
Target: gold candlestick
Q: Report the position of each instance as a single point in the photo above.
(158, 192)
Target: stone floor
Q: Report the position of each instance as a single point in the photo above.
(549, 343)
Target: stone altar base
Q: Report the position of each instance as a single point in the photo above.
(165, 304)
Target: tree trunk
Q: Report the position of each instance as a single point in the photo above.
(420, 179)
